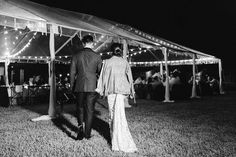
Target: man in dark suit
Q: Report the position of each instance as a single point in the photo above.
(85, 66)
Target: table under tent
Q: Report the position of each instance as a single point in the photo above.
(32, 32)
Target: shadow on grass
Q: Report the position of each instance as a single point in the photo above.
(102, 128)
(66, 126)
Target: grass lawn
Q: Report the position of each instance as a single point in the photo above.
(188, 128)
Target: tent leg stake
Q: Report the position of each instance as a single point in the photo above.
(43, 118)
(168, 101)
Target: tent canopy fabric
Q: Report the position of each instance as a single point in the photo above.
(33, 20)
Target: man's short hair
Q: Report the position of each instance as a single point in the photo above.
(87, 39)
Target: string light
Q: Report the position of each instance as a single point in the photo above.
(100, 39)
(177, 62)
(24, 47)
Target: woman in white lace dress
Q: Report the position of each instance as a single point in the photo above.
(116, 82)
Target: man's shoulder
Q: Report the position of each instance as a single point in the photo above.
(88, 50)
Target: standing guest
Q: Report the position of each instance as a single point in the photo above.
(116, 82)
(85, 66)
(174, 79)
(213, 84)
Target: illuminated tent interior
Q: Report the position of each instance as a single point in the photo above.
(32, 32)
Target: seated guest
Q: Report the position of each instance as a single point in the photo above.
(31, 81)
(38, 80)
(138, 80)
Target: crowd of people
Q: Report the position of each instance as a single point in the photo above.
(153, 87)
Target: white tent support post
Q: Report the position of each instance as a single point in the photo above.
(52, 81)
(6, 72)
(167, 88)
(125, 53)
(52, 96)
(49, 67)
(194, 91)
(220, 77)
(125, 49)
(161, 69)
(52, 99)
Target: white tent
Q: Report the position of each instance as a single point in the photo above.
(61, 26)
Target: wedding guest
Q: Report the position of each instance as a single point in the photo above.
(139, 86)
(174, 79)
(214, 84)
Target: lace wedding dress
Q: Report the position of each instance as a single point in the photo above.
(119, 130)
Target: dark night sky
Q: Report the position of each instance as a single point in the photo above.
(207, 26)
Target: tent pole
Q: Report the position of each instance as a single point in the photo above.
(52, 81)
(7, 62)
(194, 91)
(220, 77)
(125, 53)
(49, 67)
(125, 49)
(161, 69)
(167, 89)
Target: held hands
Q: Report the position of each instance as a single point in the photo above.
(97, 90)
(132, 96)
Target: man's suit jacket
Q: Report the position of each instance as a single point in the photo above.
(85, 68)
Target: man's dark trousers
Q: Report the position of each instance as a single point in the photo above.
(85, 109)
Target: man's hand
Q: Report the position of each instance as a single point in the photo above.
(131, 96)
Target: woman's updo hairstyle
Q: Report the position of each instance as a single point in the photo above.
(116, 49)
